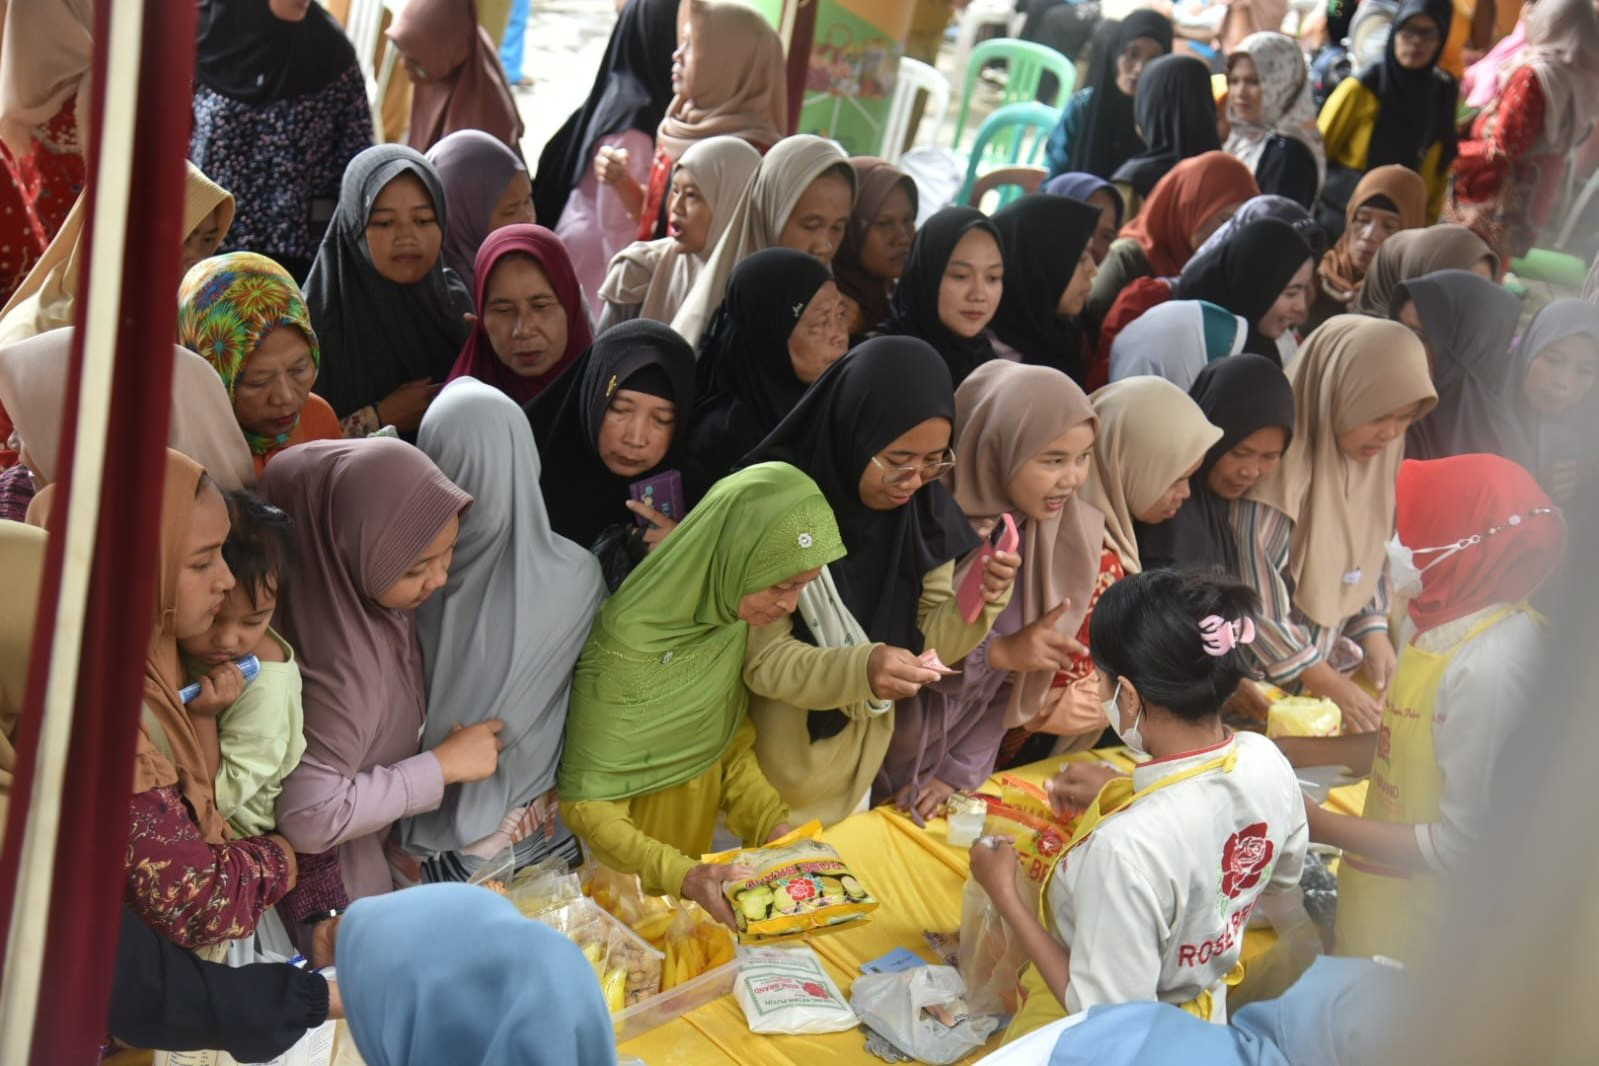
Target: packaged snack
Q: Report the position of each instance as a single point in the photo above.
(1303, 716)
(800, 886)
(628, 968)
(692, 942)
(785, 990)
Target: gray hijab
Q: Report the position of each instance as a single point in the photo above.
(499, 640)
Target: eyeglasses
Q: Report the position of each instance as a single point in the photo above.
(1419, 35)
(930, 470)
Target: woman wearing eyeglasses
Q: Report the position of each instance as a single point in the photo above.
(1399, 111)
(874, 432)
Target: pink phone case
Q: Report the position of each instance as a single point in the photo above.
(970, 596)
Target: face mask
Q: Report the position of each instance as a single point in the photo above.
(1403, 573)
(1130, 737)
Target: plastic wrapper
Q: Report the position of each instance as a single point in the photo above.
(800, 885)
(922, 1012)
(690, 940)
(545, 884)
(628, 968)
(785, 990)
(1303, 716)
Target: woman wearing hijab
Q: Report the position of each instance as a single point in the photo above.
(1097, 131)
(1269, 205)
(244, 315)
(1310, 534)
(389, 316)
(1186, 207)
(658, 741)
(728, 80)
(499, 640)
(531, 320)
(1099, 193)
(617, 417)
(801, 198)
(280, 109)
(1415, 253)
(1388, 201)
(1557, 364)
(485, 187)
(1509, 177)
(951, 289)
(1176, 114)
(1399, 111)
(1251, 402)
(458, 82)
(780, 327)
(874, 433)
(877, 243)
(1024, 442)
(1271, 117)
(651, 279)
(1046, 240)
(376, 523)
(1466, 324)
(448, 973)
(625, 105)
(1176, 340)
(44, 100)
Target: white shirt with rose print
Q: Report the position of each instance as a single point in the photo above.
(1154, 903)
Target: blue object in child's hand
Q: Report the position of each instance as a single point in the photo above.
(249, 666)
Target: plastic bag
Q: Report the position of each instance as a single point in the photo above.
(1303, 716)
(922, 1012)
(785, 990)
(800, 886)
(628, 968)
(545, 884)
(691, 940)
(990, 954)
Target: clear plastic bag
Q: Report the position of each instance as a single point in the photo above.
(923, 1012)
(991, 955)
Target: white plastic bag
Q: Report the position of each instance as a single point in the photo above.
(922, 1012)
(785, 990)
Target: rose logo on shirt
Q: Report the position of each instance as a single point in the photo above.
(1245, 859)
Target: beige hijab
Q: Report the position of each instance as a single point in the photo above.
(1006, 413)
(1351, 370)
(33, 390)
(740, 86)
(657, 275)
(1150, 434)
(22, 562)
(45, 299)
(781, 179)
(46, 54)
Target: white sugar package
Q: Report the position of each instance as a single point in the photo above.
(785, 990)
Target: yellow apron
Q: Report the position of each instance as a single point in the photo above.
(1378, 906)
(1039, 1005)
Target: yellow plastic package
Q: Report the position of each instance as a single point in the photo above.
(692, 942)
(800, 886)
(1303, 716)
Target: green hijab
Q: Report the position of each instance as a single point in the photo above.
(659, 690)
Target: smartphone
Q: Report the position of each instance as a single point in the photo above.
(664, 492)
(1004, 538)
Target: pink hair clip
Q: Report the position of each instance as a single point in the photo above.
(1221, 636)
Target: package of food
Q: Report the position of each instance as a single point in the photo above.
(628, 968)
(691, 941)
(923, 1012)
(990, 955)
(785, 990)
(1303, 716)
(800, 885)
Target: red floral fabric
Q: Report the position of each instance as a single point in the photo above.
(1502, 192)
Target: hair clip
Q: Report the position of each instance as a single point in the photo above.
(1221, 636)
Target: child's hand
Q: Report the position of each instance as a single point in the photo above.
(218, 690)
(994, 865)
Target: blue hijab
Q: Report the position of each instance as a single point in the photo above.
(1081, 186)
(453, 973)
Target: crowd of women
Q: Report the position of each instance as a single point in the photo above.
(586, 538)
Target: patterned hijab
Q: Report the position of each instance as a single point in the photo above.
(226, 305)
(1287, 105)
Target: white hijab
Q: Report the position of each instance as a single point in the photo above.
(46, 54)
(1175, 340)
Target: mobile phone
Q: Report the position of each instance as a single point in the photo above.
(664, 492)
(1004, 538)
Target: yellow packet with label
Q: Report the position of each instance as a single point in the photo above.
(800, 885)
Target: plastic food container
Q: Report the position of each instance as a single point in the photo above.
(656, 1011)
(965, 818)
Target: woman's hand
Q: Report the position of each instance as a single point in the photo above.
(994, 864)
(335, 1002)
(1037, 646)
(1362, 711)
(703, 885)
(659, 524)
(610, 165)
(1250, 701)
(324, 943)
(999, 573)
(895, 674)
(1076, 784)
(471, 753)
(779, 831)
(218, 690)
(924, 802)
(404, 407)
(289, 861)
(1380, 663)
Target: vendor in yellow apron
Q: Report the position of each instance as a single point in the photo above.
(1378, 906)
(1040, 1007)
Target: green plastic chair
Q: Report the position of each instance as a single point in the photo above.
(1015, 135)
(1025, 64)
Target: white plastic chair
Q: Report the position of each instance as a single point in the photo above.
(979, 15)
(915, 78)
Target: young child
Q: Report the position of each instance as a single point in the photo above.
(260, 725)
(1150, 900)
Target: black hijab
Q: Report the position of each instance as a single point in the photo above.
(631, 90)
(1177, 114)
(913, 312)
(1043, 236)
(1109, 136)
(1240, 395)
(863, 402)
(1245, 274)
(247, 53)
(376, 334)
(583, 496)
(746, 382)
(1418, 107)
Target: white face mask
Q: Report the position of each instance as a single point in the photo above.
(1130, 737)
(1403, 573)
